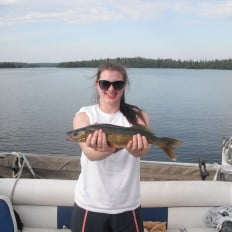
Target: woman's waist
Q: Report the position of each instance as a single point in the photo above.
(106, 203)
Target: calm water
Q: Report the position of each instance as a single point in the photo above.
(37, 107)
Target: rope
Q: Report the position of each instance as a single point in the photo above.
(19, 162)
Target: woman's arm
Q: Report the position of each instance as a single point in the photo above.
(139, 146)
(95, 147)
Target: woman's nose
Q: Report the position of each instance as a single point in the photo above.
(111, 87)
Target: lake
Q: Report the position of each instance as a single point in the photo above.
(37, 107)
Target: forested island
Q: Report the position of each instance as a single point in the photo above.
(26, 65)
(136, 62)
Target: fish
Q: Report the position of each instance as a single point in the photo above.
(119, 136)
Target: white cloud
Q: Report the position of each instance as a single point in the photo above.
(89, 11)
(5, 2)
(218, 9)
(24, 11)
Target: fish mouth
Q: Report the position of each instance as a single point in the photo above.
(69, 137)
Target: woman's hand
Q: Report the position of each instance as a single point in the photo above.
(97, 141)
(138, 146)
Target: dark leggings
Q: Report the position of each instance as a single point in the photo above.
(87, 221)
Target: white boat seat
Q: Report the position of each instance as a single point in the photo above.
(27, 229)
(194, 230)
(46, 205)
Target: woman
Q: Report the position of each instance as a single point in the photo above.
(107, 194)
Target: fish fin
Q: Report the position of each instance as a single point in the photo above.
(168, 145)
(142, 127)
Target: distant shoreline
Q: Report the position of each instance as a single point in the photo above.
(136, 62)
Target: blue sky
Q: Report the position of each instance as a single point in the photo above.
(69, 30)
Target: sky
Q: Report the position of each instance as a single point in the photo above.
(74, 30)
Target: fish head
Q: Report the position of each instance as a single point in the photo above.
(77, 135)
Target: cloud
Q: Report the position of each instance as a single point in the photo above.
(5, 2)
(218, 9)
(27, 11)
(90, 11)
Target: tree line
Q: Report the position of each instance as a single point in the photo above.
(139, 62)
(26, 65)
(136, 62)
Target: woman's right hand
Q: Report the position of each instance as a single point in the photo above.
(97, 141)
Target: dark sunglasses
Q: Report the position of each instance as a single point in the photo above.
(117, 85)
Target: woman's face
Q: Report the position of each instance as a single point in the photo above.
(110, 95)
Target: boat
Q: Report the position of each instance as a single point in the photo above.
(177, 195)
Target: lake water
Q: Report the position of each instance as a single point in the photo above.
(37, 107)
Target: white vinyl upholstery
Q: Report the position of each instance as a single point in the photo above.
(185, 193)
(40, 191)
(187, 217)
(193, 230)
(37, 216)
(28, 229)
(187, 201)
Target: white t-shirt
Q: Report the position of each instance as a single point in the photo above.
(111, 185)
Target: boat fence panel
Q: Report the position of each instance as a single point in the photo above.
(69, 167)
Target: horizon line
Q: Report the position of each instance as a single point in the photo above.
(116, 58)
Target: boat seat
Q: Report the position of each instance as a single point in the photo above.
(28, 229)
(65, 230)
(7, 217)
(193, 230)
(45, 205)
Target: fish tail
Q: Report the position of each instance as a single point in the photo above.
(168, 145)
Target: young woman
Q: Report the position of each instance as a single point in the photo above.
(107, 197)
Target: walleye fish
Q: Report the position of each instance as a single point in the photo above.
(119, 136)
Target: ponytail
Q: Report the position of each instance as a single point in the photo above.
(131, 112)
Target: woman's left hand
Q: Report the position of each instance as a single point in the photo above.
(138, 146)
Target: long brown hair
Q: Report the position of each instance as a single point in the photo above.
(131, 112)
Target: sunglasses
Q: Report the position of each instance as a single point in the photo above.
(117, 85)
